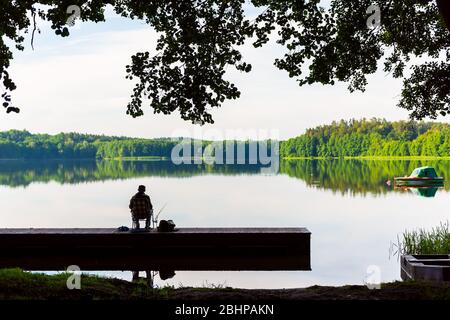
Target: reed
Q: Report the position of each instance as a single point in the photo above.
(421, 241)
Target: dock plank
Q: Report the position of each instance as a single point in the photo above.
(194, 248)
(179, 231)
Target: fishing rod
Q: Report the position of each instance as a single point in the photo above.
(155, 218)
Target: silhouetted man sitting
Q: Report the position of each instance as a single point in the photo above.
(141, 208)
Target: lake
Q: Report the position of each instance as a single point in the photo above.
(353, 215)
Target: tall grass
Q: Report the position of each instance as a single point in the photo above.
(421, 241)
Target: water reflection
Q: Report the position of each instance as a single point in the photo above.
(89, 260)
(150, 275)
(357, 176)
(341, 176)
(351, 212)
(145, 269)
(426, 192)
(24, 172)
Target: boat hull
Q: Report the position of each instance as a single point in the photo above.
(434, 267)
(410, 182)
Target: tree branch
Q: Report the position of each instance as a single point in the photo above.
(444, 9)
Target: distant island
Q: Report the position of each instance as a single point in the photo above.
(354, 138)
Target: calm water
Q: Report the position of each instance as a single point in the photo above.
(352, 214)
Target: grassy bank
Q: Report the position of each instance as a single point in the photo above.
(146, 158)
(422, 241)
(17, 284)
(370, 158)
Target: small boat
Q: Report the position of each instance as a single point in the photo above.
(423, 176)
(432, 267)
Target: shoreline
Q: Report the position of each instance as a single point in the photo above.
(164, 158)
(17, 284)
(377, 158)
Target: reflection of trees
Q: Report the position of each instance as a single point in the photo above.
(22, 173)
(356, 176)
(344, 176)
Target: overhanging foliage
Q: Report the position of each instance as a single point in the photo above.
(200, 38)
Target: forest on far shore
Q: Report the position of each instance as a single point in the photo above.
(354, 138)
(374, 137)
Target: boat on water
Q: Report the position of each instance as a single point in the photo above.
(425, 267)
(423, 176)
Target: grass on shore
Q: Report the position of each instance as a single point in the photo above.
(145, 158)
(17, 284)
(421, 241)
(371, 158)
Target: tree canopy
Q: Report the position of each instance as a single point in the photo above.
(200, 38)
(21, 144)
(375, 137)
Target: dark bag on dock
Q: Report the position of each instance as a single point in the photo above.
(123, 229)
(166, 226)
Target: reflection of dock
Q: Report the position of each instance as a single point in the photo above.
(185, 249)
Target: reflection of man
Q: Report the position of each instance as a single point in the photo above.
(149, 277)
(141, 208)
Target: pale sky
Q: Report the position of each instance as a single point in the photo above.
(78, 84)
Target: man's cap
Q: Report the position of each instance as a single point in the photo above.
(141, 188)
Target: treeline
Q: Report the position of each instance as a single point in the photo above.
(375, 137)
(16, 144)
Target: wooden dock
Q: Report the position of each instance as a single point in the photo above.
(185, 249)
